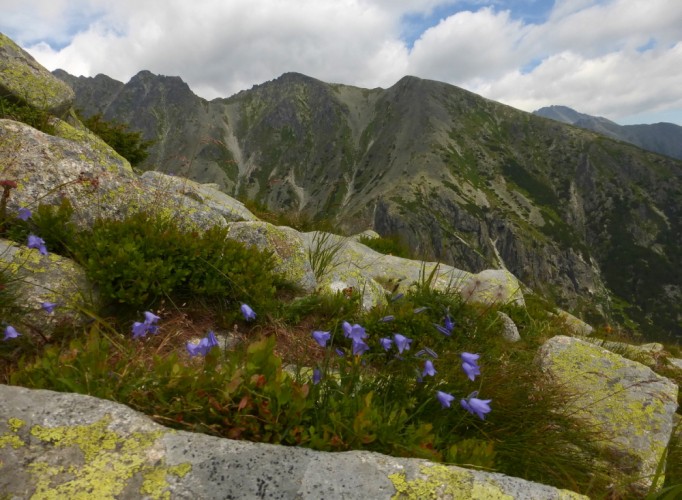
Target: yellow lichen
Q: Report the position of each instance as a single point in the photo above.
(15, 424)
(11, 440)
(110, 462)
(439, 481)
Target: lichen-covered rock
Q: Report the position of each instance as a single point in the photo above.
(57, 445)
(650, 354)
(627, 402)
(574, 326)
(24, 79)
(510, 332)
(97, 181)
(492, 286)
(207, 194)
(285, 243)
(47, 278)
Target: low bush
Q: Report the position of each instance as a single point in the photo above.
(144, 258)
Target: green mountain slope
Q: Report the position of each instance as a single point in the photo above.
(594, 222)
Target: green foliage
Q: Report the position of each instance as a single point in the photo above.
(126, 142)
(139, 260)
(323, 253)
(53, 224)
(21, 112)
(241, 396)
(388, 245)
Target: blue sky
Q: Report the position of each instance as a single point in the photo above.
(613, 58)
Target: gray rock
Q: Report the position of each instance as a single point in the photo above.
(627, 401)
(510, 332)
(47, 278)
(96, 180)
(574, 326)
(24, 79)
(207, 194)
(361, 267)
(70, 445)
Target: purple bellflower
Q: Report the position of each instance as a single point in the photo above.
(476, 406)
(248, 313)
(36, 242)
(428, 369)
(321, 337)
(388, 318)
(24, 214)
(355, 332)
(402, 342)
(10, 333)
(359, 347)
(204, 345)
(444, 398)
(147, 326)
(469, 365)
(317, 376)
(48, 306)
(385, 343)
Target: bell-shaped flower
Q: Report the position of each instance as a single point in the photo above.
(36, 242)
(359, 347)
(24, 214)
(428, 369)
(249, 314)
(317, 376)
(321, 337)
(355, 332)
(401, 342)
(386, 343)
(48, 306)
(204, 345)
(387, 319)
(469, 365)
(10, 333)
(444, 398)
(476, 406)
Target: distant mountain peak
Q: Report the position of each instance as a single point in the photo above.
(662, 138)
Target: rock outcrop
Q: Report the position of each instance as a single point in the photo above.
(22, 78)
(69, 445)
(625, 402)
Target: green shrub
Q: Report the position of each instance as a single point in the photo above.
(21, 112)
(139, 260)
(129, 144)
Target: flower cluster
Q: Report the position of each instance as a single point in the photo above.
(207, 343)
(357, 334)
(147, 326)
(471, 403)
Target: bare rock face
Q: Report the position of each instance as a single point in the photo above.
(22, 78)
(75, 446)
(626, 401)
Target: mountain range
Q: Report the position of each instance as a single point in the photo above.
(663, 138)
(592, 222)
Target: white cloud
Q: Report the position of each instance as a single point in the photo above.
(468, 45)
(588, 54)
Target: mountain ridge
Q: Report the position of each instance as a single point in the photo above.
(461, 179)
(663, 138)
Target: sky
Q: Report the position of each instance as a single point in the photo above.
(620, 59)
